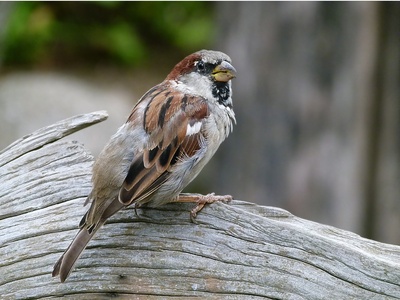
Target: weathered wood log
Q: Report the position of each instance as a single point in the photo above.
(236, 251)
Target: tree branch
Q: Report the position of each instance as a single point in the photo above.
(238, 250)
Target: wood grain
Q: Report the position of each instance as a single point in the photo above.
(238, 250)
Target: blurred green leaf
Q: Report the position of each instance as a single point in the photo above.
(196, 33)
(124, 43)
(108, 32)
(27, 31)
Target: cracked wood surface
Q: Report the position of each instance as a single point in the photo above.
(237, 250)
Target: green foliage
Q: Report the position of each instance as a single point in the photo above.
(183, 24)
(65, 33)
(124, 42)
(28, 32)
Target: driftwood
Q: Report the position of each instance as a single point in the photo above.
(236, 251)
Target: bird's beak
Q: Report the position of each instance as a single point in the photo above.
(224, 72)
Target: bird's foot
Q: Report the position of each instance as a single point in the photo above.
(201, 201)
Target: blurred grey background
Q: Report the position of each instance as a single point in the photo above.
(317, 96)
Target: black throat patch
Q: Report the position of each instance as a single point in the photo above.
(221, 91)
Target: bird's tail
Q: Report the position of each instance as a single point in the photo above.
(67, 260)
(64, 265)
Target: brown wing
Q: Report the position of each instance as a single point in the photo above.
(173, 122)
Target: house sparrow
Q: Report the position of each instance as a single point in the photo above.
(171, 133)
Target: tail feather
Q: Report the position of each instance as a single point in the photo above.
(66, 262)
(64, 265)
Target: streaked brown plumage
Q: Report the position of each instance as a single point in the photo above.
(172, 132)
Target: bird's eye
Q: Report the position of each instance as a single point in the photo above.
(200, 66)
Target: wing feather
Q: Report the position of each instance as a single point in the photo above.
(173, 122)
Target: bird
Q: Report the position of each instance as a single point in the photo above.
(170, 135)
